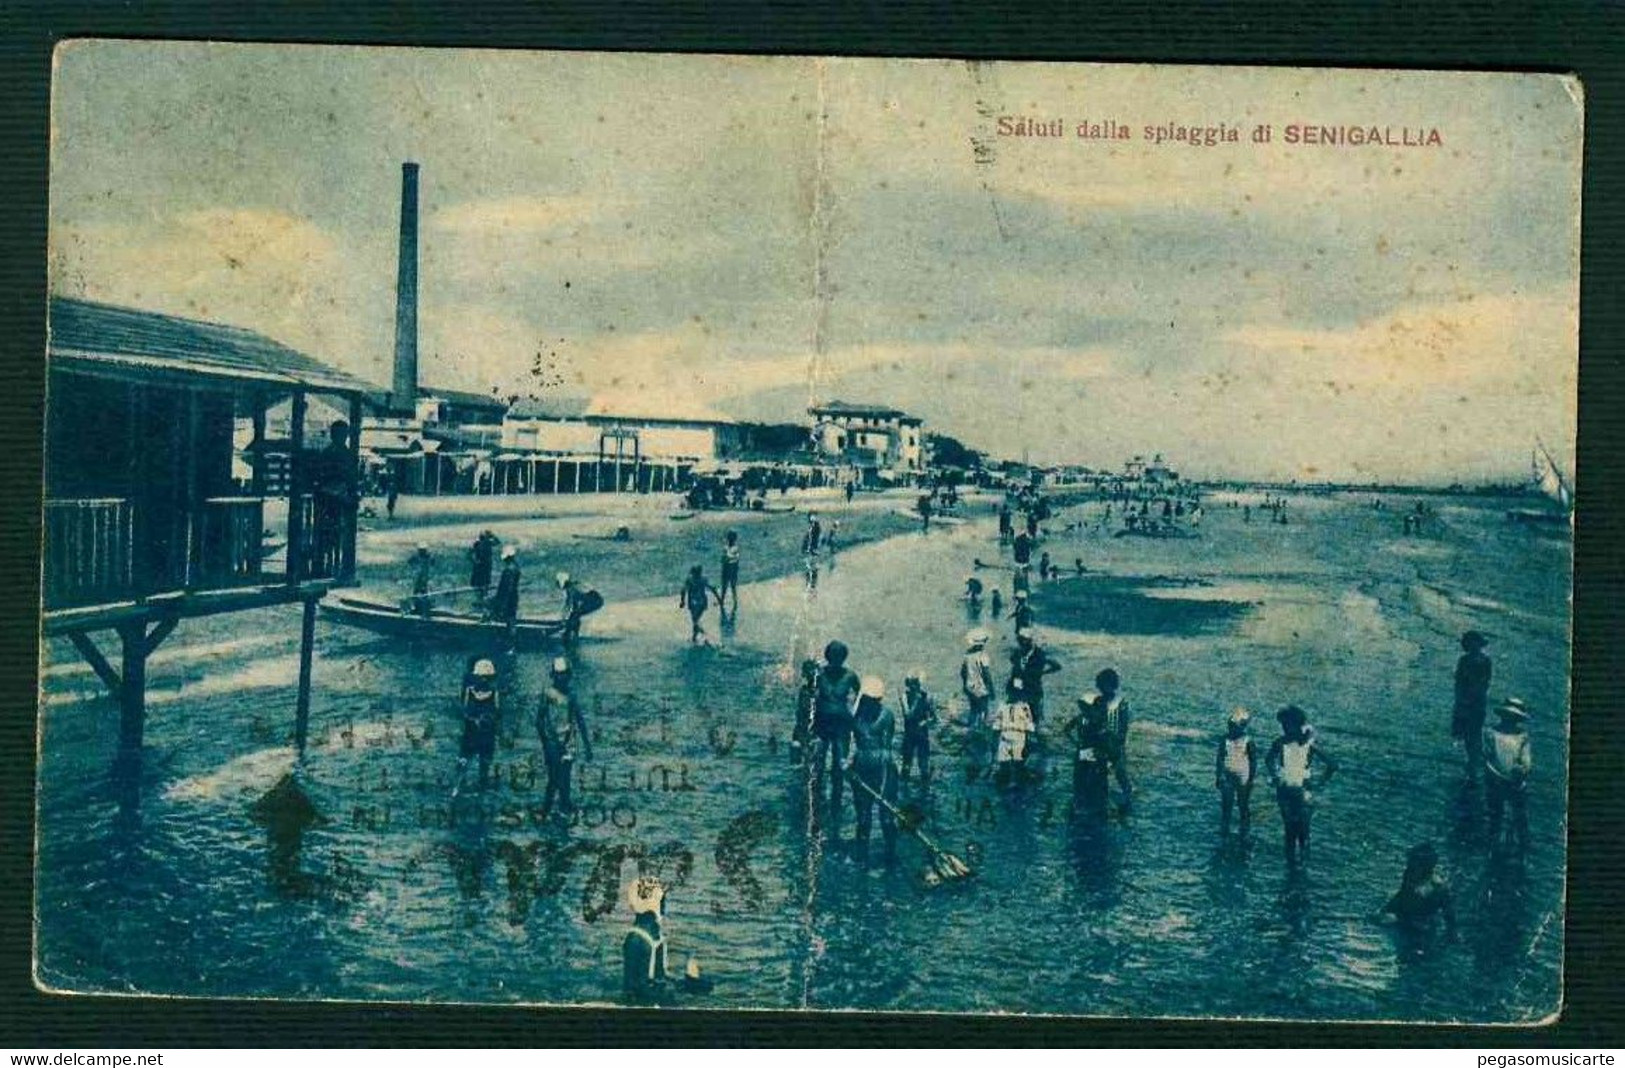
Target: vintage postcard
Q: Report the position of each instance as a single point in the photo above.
(807, 533)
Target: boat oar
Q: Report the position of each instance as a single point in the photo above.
(944, 864)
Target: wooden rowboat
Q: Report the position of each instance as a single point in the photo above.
(440, 625)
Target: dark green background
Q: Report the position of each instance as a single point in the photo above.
(1579, 37)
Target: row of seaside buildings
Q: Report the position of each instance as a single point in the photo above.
(459, 442)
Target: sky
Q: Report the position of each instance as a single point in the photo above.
(737, 237)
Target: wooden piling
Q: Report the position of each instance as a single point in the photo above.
(307, 639)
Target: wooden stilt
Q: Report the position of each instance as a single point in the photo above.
(98, 663)
(307, 639)
(133, 692)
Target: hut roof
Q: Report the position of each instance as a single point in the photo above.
(145, 342)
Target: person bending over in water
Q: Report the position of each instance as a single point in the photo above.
(1424, 894)
(973, 594)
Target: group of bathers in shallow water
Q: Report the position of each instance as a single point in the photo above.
(842, 725)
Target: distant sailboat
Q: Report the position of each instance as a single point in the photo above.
(1556, 487)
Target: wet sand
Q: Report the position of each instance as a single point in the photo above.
(402, 895)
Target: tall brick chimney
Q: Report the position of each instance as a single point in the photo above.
(403, 397)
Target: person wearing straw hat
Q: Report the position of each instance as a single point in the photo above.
(1292, 760)
(874, 774)
(1473, 672)
(976, 678)
(1507, 763)
(481, 709)
(1235, 766)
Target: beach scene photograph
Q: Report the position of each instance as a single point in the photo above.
(807, 533)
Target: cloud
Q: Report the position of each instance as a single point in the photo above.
(508, 215)
(1503, 341)
(264, 270)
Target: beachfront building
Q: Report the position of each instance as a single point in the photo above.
(560, 445)
(1154, 471)
(446, 443)
(152, 512)
(881, 443)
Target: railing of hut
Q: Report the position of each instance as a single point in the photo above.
(91, 554)
(87, 550)
(231, 545)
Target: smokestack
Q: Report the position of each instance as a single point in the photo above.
(403, 398)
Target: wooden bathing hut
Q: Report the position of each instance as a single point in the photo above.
(184, 477)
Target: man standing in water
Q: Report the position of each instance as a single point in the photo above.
(802, 732)
(696, 597)
(919, 716)
(1108, 695)
(1507, 773)
(814, 538)
(559, 726)
(481, 707)
(1021, 617)
(480, 556)
(504, 606)
(811, 542)
(1473, 671)
(835, 691)
(1291, 761)
(730, 571)
(976, 678)
(1023, 548)
(1030, 663)
(421, 566)
(1092, 757)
